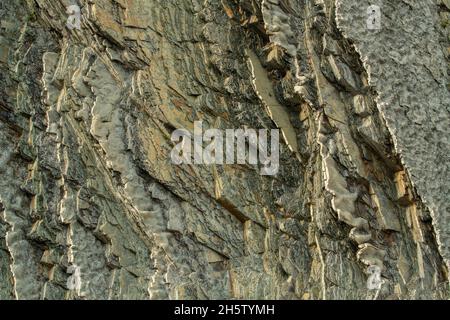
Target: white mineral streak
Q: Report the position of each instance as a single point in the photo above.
(276, 111)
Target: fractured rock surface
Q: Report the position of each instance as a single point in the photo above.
(91, 206)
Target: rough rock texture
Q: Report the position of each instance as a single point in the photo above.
(417, 113)
(88, 190)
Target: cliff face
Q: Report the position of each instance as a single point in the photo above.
(92, 206)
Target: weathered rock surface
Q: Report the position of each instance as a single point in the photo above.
(91, 206)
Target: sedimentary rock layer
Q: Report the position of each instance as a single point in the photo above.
(91, 206)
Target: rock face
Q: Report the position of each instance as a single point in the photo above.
(92, 207)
